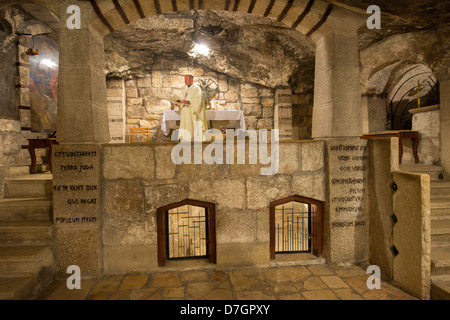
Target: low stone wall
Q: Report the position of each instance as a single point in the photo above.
(383, 160)
(138, 179)
(412, 233)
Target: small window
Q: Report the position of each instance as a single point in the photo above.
(296, 226)
(186, 230)
(293, 227)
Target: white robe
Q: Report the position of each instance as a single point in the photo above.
(193, 112)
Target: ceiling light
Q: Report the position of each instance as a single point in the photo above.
(201, 49)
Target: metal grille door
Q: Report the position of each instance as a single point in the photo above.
(187, 232)
(292, 227)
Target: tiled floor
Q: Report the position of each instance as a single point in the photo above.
(314, 282)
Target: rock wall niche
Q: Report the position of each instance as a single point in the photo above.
(139, 102)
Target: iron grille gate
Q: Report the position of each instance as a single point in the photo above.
(292, 228)
(187, 232)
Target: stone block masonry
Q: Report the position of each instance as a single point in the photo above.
(147, 97)
(115, 91)
(139, 179)
(106, 199)
(347, 199)
(283, 113)
(76, 207)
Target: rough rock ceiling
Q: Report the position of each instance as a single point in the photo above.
(253, 48)
(421, 14)
(399, 16)
(250, 47)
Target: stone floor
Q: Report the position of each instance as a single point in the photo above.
(313, 282)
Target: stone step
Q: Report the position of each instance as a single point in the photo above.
(25, 209)
(29, 186)
(440, 206)
(12, 171)
(25, 259)
(440, 287)
(440, 188)
(27, 232)
(435, 172)
(17, 287)
(440, 259)
(440, 230)
(440, 202)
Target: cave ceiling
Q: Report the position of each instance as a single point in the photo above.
(249, 47)
(253, 48)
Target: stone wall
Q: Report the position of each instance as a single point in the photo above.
(8, 105)
(139, 179)
(14, 92)
(427, 121)
(10, 142)
(147, 97)
(374, 113)
(347, 200)
(302, 109)
(15, 108)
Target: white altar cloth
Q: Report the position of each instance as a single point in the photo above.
(236, 118)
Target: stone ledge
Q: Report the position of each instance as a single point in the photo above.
(425, 109)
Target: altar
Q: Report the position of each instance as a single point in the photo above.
(229, 119)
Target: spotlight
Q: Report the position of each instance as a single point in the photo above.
(33, 52)
(201, 49)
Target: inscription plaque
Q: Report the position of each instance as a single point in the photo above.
(116, 110)
(347, 180)
(75, 184)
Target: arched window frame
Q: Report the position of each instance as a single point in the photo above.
(316, 223)
(162, 228)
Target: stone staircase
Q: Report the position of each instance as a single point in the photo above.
(26, 228)
(440, 230)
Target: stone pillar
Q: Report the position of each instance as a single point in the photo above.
(116, 109)
(445, 124)
(337, 98)
(346, 202)
(82, 112)
(374, 114)
(337, 118)
(82, 126)
(76, 209)
(426, 120)
(283, 113)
